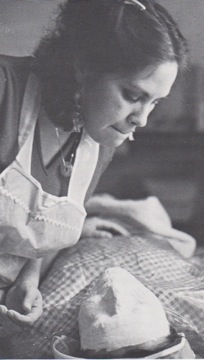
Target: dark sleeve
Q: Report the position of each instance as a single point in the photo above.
(12, 84)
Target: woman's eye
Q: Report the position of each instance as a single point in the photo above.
(130, 96)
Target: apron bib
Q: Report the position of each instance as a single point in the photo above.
(34, 223)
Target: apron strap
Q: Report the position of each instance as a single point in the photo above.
(28, 118)
(84, 169)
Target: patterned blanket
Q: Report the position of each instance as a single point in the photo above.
(177, 281)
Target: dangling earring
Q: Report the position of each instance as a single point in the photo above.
(77, 118)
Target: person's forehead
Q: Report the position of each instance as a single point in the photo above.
(148, 74)
(152, 72)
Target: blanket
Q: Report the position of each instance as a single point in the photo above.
(147, 214)
(146, 253)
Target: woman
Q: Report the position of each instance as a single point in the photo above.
(87, 88)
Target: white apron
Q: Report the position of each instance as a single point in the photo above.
(34, 223)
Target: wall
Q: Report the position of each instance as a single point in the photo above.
(22, 23)
(189, 14)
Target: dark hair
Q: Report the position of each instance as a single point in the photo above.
(103, 36)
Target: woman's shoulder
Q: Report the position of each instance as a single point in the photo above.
(14, 69)
(13, 74)
(13, 62)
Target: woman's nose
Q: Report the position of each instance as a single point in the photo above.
(139, 119)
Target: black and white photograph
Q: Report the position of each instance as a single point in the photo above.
(101, 179)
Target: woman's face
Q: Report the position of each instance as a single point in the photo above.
(115, 105)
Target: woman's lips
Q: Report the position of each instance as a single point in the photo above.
(123, 133)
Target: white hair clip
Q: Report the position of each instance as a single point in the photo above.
(135, 2)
